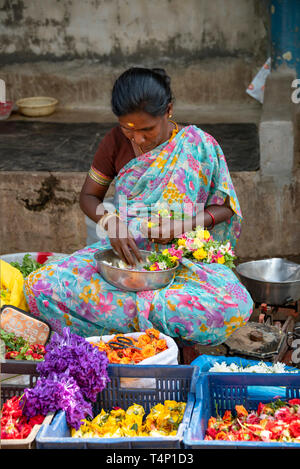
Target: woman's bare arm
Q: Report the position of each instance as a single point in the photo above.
(91, 199)
(91, 203)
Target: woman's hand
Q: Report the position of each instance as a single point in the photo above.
(162, 230)
(122, 241)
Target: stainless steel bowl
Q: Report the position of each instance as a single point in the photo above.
(133, 279)
(273, 281)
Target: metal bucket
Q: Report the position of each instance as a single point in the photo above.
(273, 281)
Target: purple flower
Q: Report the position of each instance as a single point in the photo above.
(87, 272)
(42, 286)
(201, 274)
(57, 392)
(183, 323)
(179, 180)
(67, 262)
(214, 319)
(129, 307)
(84, 362)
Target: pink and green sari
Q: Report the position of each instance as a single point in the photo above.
(203, 304)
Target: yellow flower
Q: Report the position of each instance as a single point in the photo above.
(181, 242)
(200, 254)
(91, 292)
(153, 267)
(202, 234)
(164, 212)
(234, 323)
(221, 260)
(160, 162)
(225, 185)
(174, 258)
(67, 320)
(198, 243)
(150, 224)
(165, 252)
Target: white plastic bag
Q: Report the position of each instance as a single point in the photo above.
(167, 357)
(256, 88)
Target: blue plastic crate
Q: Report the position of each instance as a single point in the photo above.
(166, 383)
(223, 391)
(205, 362)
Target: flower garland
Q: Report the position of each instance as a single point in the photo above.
(72, 374)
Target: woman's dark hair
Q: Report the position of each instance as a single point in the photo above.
(141, 89)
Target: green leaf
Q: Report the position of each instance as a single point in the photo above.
(134, 427)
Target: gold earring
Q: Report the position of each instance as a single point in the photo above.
(170, 115)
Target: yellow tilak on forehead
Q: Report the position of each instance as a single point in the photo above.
(130, 124)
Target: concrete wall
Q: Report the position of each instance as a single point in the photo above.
(40, 212)
(119, 30)
(74, 49)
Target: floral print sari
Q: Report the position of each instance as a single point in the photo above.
(203, 304)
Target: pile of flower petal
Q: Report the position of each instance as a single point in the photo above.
(149, 344)
(260, 367)
(163, 420)
(14, 424)
(273, 422)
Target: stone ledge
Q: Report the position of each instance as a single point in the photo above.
(38, 216)
(278, 128)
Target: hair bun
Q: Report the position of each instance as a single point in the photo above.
(163, 74)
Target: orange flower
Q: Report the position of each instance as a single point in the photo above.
(161, 344)
(153, 333)
(240, 409)
(149, 343)
(211, 422)
(148, 351)
(227, 417)
(143, 340)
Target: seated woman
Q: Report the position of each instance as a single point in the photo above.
(154, 163)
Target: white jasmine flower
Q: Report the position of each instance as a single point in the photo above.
(261, 367)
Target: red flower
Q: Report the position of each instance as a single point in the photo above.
(260, 408)
(212, 432)
(253, 419)
(43, 256)
(294, 402)
(284, 414)
(37, 420)
(11, 355)
(294, 428)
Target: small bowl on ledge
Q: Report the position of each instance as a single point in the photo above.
(37, 106)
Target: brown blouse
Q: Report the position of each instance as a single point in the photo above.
(113, 153)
